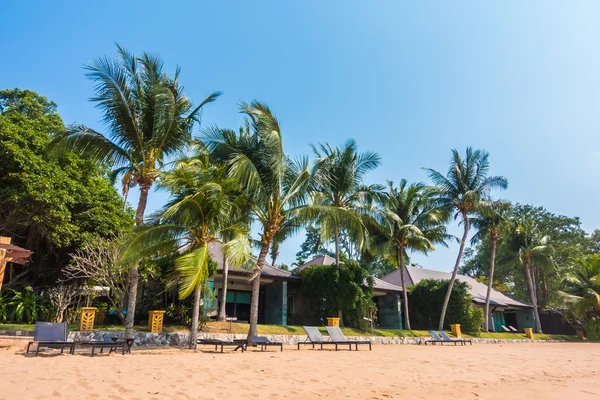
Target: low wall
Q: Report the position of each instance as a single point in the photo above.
(182, 339)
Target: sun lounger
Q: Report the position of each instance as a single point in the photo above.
(238, 344)
(512, 329)
(51, 335)
(335, 333)
(435, 338)
(314, 337)
(447, 338)
(264, 342)
(106, 343)
(505, 329)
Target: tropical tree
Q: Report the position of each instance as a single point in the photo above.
(409, 219)
(148, 119)
(488, 221)
(582, 287)
(274, 185)
(465, 185)
(339, 192)
(201, 209)
(533, 250)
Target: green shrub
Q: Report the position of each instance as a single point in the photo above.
(475, 321)
(592, 329)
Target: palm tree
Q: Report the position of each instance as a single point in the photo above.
(532, 249)
(201, 209)
(488, 222)
(409, 219)
(339, 192)
(466, 183)
(274, 185)
(582, 287)
(148, 118)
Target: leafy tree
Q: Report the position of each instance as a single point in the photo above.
(465, 185)
(274, 185)
(312, 246)
(582, 288)
(202, 207)
(148, 119)
(488, 222)
(339, 191)
(49, 204)
(409, 219)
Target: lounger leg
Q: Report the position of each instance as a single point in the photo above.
(62, 349)
(93, 349)
(73, 348)
(28, 346)
(37, 350)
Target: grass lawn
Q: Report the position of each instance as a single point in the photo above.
(225, 327)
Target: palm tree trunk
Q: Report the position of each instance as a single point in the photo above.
(195, 315)
(490, 281)
(274, 252)
(337, 263)
(222, 310)
(134, 275)
(456, 265)
(533, 297)
(400, 256)
(260, 263)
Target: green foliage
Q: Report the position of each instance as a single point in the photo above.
(312, 246)
(582, 288)
(28, 306)
(427, 298)
(330, 288)
(592, 329)
(180, 314)
(55, 203)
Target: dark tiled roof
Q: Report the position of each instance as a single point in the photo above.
(216, 253)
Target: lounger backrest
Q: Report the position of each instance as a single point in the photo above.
(50, 332)
(444, 336)
(512, 328)
(505, 329)
(336, 334)
(259, 339)
(313, 333)
(434, 335)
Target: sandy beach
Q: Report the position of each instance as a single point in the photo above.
(488, 371)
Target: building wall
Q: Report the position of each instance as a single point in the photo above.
(390, 311)
(525, 318)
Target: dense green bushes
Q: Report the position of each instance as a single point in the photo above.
(592, 329)
(348, 288)
(427, 298)
(24, 307)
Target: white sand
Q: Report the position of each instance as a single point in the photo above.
(487, 371)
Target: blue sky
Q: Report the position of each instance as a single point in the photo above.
(410, 80)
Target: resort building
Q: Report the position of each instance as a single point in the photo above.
(504, 310)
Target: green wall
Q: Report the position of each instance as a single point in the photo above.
(275, 303)
(390, 311)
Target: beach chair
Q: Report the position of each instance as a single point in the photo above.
(447, 338)
(505, 329)
(106, 343)
(264, 342)
(435, 338)
(314, 337)
(512, 329)
(238, 344)
(51, 335)
(335, 333)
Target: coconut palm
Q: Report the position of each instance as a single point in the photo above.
(339, 191)
(531, 250)
(466, 183)
(409, 219)
(202, 209)
(488, 221)
(148, 119)
(582, 287)
(274, 185)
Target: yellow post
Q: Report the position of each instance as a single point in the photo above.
(3, 258)
(100, 317)
(456, 330)
(331, 321)
(88, 314)
(155, 320)
(529, 333)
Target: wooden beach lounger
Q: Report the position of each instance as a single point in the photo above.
(264, 342)
(335, 333)
(238, 344)
(107, 343)
(314, 337)
(447, 338)
(51, 335)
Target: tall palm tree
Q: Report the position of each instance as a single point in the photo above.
(274, 185)
(582, 287)
(532, 249)
(409, 219)
(148, 119)
(466, 183)
(339, 191)
(488, 221)
(202, 209)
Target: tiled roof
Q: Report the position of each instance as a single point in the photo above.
(216, 253)
(477, 289)
(318, 260)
